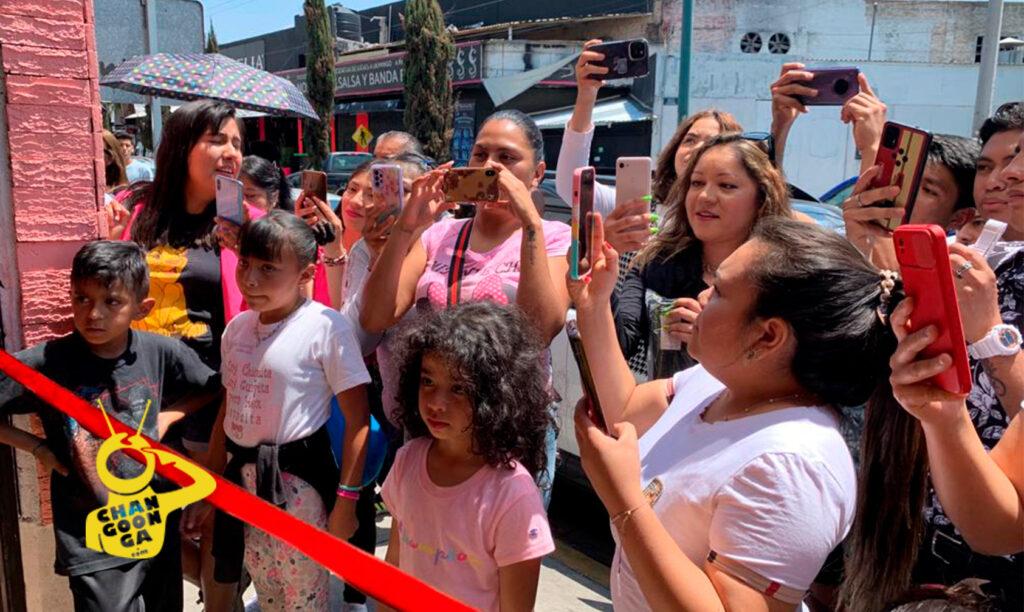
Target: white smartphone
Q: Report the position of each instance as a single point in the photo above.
(388, 190)
(229, 199)
(990, 235)
(632, 179)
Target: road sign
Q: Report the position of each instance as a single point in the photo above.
(362, 137)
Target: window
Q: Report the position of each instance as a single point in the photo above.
(750, 43)
(302, 60)
(977, 50)
(778, 44)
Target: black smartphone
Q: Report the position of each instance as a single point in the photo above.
(582, 209)
(623, 58)
(572, 331)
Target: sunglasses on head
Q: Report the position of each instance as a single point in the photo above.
(764, 141)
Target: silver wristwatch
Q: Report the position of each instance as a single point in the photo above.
(1000, 341)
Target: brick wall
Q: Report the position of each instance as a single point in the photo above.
(48, 55)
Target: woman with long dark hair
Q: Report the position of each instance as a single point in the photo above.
(265, 185)
(740, 483)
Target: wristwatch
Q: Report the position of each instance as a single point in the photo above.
(1000, 341)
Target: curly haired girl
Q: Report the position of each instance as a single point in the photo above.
(468, 518)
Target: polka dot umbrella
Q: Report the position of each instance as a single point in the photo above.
(191, 76)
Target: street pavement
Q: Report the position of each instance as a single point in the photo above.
(569, 580)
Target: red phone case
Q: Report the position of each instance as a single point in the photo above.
(927, 277)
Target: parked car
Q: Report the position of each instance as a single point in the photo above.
(339, 167)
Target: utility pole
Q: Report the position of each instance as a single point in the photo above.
(871, 41)
(685, 45)
(987, 69)
(156, 120)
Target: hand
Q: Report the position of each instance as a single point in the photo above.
(595, 289)
(45, 456)
(193, 517)
(628, 228)
(426, 200)
(314, 210)
(867, 113)
(976, 292)
(516, 196)
(585, 85)
(612, 464)
(911, 373)
(679, 321)
(863, 220)
(118, 218)
(785, 107)
(343, 522)
(228, 233)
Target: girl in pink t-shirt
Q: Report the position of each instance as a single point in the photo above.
(467, 516)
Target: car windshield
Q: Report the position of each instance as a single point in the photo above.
(345, 163)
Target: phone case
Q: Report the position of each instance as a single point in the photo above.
(471, 185)
(315, 182)
(927, 277)
(572, 332)
(835, 86)
(623, 58)
(582, 205)
(902, 155)
(229, 199)
(632, 179)
(388, 190)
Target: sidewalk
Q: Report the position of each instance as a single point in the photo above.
(568, 581)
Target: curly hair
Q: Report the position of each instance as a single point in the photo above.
(496, 354)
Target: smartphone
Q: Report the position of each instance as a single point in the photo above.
(927, 277)
(582, 223)
(623, 58)
(229, 199)
(902, 154)
(314, 183)
(835, 86)
(990, 235)
(388, 190)
(471, 185)
(572, 331)
(632, 179)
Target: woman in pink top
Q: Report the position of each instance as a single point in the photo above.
(467, 517)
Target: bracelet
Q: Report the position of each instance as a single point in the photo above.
(353, 495)
(342, 487)
(624, 516)
(336, 261)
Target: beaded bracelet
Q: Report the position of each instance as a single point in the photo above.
(336, 261)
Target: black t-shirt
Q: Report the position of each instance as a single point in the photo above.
(184, 279)
(153, 368)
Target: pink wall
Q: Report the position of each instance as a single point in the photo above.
(48, 55)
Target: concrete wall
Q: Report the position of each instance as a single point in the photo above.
(50, 189)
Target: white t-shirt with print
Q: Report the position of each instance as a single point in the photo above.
(770, 495)
(279, 388)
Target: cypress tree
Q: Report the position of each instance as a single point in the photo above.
(319, 81)
(429, 103)
(211, 41)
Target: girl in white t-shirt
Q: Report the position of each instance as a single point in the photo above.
(467, 517)
(282, 361)
(740, 484)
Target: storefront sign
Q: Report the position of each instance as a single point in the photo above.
(384, 74)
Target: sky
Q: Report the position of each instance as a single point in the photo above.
(237, 19)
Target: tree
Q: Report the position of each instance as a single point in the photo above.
(319, 81)
(429, 103)
(211, 41)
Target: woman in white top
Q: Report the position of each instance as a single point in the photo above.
(740, 483)
(627, 228)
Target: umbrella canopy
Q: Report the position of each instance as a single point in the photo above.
(191, 76)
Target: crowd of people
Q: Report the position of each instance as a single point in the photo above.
(728, 474)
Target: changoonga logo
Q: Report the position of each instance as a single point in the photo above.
(133, 523)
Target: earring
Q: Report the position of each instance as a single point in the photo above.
(751, 354)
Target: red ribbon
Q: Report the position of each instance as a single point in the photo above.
(365, 572)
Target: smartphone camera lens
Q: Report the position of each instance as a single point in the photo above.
(841, 86)
(637, 50)
(489, 173)
(890, 137)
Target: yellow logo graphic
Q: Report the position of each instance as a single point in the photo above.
(133, 522)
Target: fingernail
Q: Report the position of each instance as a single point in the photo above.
(655, 230)
(607, 245)
(646, 198)
(586, 280)
(655, 217)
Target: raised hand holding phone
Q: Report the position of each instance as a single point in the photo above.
(229, 199)
(622, 59)
(388, 190)
(902, 155)
(426, 200)
(582, 221)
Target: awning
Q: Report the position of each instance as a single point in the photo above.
(606, 112)
(504, 88)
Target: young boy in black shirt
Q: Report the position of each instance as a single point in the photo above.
(105, 360)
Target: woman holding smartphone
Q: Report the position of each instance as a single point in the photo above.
(512, 256)
(727, 186)
(191, 273)
(627, 227)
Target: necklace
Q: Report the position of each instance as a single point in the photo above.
(274, 327)
(746, 411)
(709, 269)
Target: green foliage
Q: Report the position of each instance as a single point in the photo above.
(429, 103)
(211, 41)
(319, 81)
